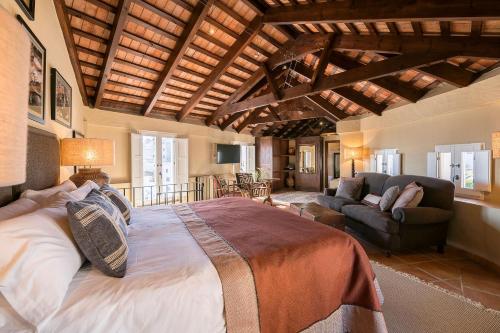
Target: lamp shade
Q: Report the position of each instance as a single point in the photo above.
(87, 152)
(495, 144)
(353, 153)
(14, 87)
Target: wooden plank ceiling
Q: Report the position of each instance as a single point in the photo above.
(286, 68)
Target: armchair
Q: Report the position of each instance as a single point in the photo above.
(222, 189)
(254, 189)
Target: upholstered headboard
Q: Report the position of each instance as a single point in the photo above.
(42, 167)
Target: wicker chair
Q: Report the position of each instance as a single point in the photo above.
(223, 189)
(252, 188)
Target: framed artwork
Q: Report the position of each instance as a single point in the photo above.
(77, 134)
(60, 99)
(38, 55)
(28, 7)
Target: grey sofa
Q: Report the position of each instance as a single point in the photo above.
(406, 228)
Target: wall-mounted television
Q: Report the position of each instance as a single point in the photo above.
(228, 154)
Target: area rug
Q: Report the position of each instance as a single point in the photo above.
(294, 196)
(414, 306)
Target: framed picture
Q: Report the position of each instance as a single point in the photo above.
(28, 7)
(60, 99)
(38, 55)
(77, 134)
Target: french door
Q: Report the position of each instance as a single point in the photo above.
(159, 167)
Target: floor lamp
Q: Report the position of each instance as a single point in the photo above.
(353, 154)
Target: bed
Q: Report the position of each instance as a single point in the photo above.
(222, 265)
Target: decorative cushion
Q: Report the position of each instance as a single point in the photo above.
(119, 200)
(410, 197)
(17, 208)
(39, 196)
(335, 203)
(389, 198)
(371, 200)
(60, 198)
(99, 230)
(38, 259)
(350, 188)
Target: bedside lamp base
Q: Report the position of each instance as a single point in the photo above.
(94, 174)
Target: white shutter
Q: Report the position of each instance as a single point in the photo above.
(482, 170)
(181, 161)
(136, 160)
(250, 159)
(396, 169)
(373, 163)
(432, 162)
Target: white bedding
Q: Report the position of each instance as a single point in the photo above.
(170, 285)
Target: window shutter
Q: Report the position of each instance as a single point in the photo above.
(181, 161)
(251, 159)
(482, 170)
(373, 163)
(396, 169)
(136, 159)
(432, 162)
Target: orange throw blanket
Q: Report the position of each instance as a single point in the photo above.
(283, 273)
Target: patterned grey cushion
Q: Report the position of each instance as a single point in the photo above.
(119, 200)
(350, 188)
(100, 230)
(389, 198)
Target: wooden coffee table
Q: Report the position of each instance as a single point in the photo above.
(318, 213)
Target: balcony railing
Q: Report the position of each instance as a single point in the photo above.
(197, 189)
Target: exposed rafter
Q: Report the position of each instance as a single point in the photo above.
(381, 10)
(235, 50)
(198, 15)
(119, 22)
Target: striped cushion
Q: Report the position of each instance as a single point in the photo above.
(119, 200)
(100, 230)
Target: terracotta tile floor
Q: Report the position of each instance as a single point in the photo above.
(452, 270)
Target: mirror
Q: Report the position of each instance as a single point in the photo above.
(307, 158)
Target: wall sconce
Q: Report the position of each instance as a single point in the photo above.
(353, 153)
(495, 144)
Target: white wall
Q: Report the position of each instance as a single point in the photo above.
(118, 126)
(463, 115)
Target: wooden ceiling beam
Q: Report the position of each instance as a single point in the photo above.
(371, 71)
(88, 18)
(451, 74)
(198, 15)
(69, 40)
(146, 25)
(323, 61)
(161, 13)
(381, 10)
(103, 5)
(235, 50)
(400, 88)
(119, 23)
(231, 119)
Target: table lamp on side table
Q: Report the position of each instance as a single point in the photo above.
(87, 153)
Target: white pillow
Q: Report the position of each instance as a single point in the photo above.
(39, 196)
(60, 198)
(38, 259)
(17, 208)
(10, 321)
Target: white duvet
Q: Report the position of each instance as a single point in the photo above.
(170, 285)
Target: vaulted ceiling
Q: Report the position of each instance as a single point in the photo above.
(277, 67)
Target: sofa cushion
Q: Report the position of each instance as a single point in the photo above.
(437, 192)
(373, 184)
(372, 217)
(389, 198)
(350, 188)
(335, 203)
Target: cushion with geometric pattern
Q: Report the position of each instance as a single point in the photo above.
(119, 200)
(100, 231)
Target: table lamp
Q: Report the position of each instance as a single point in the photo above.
(85, 154)
(14, 91)
(353, 153)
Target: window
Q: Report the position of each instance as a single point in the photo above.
(159, 166)
(386, 161)
(247, 159)
(468, 166)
